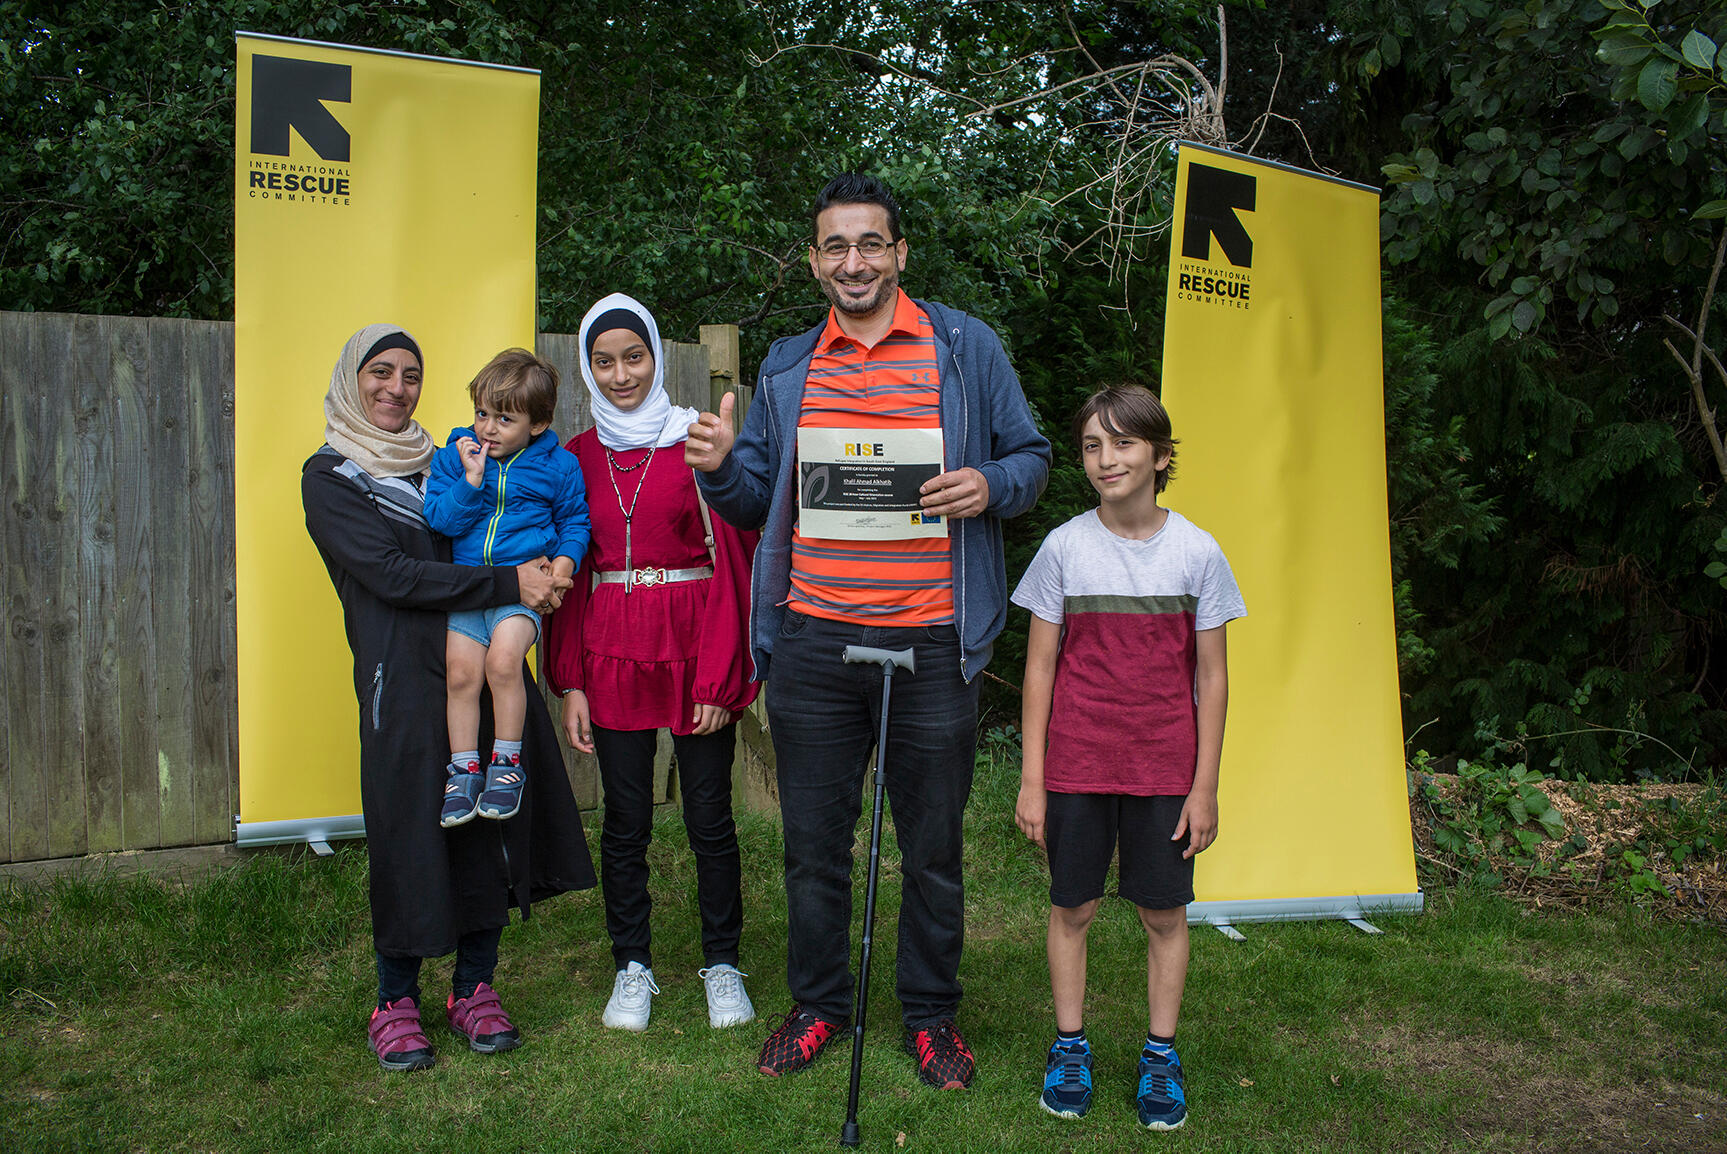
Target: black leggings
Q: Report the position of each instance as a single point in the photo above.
(626, 759)
(476, 961)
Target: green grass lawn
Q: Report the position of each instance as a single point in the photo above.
(229, 1014)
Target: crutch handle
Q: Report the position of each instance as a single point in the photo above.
(905, 659)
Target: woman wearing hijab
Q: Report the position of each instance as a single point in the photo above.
(433, 890)
(652, 637)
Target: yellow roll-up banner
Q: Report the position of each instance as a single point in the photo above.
(368, 186)
(1273, 375)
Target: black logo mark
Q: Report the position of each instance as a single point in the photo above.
(286, 94)
(815, 487)
(1214, 195)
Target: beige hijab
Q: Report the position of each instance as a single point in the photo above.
(346, 428)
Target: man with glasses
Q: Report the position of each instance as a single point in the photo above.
(882, 366)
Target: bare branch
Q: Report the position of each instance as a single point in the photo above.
(1222, 62)
(1264, 118)
(1709, 296)
(1089, 80)
(1704, 412)
(765, 312)
(1700, 350)
(926, 79)
(1096, 67)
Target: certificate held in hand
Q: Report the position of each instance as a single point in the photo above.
(862, 484)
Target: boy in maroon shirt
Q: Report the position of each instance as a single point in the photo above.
(1129, 603)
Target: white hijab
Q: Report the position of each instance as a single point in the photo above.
(346, 428)
(656, 421)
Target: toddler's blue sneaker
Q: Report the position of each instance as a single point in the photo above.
(1067, 1079)
(1162, 1097)
(503, 795)
(461, 794)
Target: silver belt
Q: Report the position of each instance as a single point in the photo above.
(630, 578)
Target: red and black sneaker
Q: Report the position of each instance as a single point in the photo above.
(480, 1018)
(799, 1037)
(398, 1039)
(943, 1059)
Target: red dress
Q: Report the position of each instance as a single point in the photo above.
(645, 659)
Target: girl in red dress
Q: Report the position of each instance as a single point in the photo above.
(653, 637)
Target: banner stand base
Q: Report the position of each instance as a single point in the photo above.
(317, 832)
(1354, 908)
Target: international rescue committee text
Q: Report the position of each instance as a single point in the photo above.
(1198, 282)
(300, 183)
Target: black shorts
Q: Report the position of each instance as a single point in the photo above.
(1081, 831)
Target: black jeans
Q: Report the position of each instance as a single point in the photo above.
(704, 769)
(825, 716)
(476, 962)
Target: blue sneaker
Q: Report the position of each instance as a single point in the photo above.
(461, 794)
(1162, 1097)
(502, 798)
(1067, 1080)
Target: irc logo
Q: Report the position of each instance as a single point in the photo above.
(1214, 197)
(288, 93)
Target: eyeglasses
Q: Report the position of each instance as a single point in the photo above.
(835, 251)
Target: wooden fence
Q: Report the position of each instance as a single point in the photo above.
(117, 668)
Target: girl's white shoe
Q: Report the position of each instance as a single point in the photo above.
(632, 998)
(728, 1004)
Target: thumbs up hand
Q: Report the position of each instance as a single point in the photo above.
(711, 437)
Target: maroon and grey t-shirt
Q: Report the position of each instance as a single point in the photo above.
(1124, 718)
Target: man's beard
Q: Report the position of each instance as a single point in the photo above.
(885, 283)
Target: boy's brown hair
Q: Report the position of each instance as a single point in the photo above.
(516, 381)
(1134, 411)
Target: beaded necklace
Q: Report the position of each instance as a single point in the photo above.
(629, 513)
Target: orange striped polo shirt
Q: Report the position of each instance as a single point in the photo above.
(891, 386)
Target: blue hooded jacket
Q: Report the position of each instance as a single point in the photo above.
(531, 504)
(986, 424)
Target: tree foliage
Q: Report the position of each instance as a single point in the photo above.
(1544, 214)
(116, 193)
(1572, 152)
(1557, 180)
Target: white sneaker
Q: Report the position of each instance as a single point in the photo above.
(728, 1004)
(632, 998)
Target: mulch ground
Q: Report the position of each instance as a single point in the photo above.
(1606, 820)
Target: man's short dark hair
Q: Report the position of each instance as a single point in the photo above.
(856, 188)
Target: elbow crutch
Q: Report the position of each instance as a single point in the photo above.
(889, 660)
